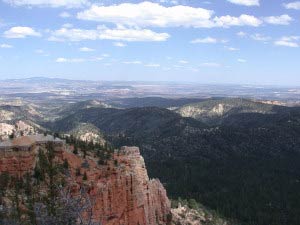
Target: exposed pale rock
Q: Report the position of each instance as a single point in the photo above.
(20, 127)
(6, 115)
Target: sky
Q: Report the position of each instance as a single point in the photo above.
(203, 41)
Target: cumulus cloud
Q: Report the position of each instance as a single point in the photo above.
(292, 5)
(5, 46)
(207, 40)
(49, 3)
(104, 33)
(245, 2)
(149, 14)
(21, 32)
(172, 2)
(279, 20)
(86, 49)
(242, 20)
(289, 41)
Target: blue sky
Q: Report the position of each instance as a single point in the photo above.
(206, 41)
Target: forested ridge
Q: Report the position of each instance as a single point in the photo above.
(245, 166)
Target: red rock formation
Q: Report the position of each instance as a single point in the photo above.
(17, 163)
(121, 191)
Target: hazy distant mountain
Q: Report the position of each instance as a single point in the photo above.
(153, 102)
(39, 80)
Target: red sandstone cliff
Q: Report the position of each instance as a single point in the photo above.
(121, 190)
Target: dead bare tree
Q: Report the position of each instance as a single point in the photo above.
(70, 209)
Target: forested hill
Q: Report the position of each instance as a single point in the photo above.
(246, 167)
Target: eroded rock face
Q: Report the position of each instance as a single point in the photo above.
(185, 216)
(18, 128)
(17, 163)
(121, 191)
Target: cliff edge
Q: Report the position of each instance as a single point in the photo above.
(121, 191)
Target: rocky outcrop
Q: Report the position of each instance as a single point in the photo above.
(19, 128)
(121, 191)
(183, 215)
(17, 163)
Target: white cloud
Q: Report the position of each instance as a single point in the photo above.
(183, 61)
(242, 20)
(132, 62)
(279, 20)
(207, 40)
(292, 5)
(231, 48)
(152, 65)
(49, 3)
(260, 37)
(172, 2)
(242, 60)
(210, 64)
(21, 32)
(65, 15)
(5, 46)
(86, 49)
(77, 60)
(241, 34)
(119, 44)
(104, 33)
(133, 35)
(149, 14)
(289, 41)
(73, 60)
(245, 2)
